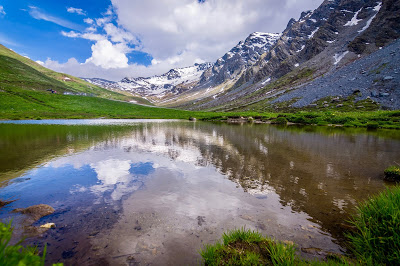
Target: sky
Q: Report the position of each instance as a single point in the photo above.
(113, 39)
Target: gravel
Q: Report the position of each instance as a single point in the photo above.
(375, 76)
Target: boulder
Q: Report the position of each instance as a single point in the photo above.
(36, 211)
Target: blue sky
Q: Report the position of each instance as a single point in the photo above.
(113, 39)
(33, 28)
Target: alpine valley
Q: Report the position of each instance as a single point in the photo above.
(342, 55)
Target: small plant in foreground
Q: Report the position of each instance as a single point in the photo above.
(17, 254)
(376, 239)
(392, 173)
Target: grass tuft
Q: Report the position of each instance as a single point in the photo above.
(376, 239)
(246, 247)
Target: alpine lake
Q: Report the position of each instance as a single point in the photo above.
(128, 192)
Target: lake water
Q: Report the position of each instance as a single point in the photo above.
(155, 191)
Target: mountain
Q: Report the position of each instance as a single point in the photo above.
(317, 45)
(183, 83)
(175, 81)
(239, 58)
(268, 71)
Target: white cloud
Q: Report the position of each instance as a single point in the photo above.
(38, 14)
(119, 35)
(87, 35)
(88, 20)
(111, 172)
(2, 12)
(108, 55)
(78, 11)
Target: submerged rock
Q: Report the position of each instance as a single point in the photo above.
(36, 211)
(5, 202)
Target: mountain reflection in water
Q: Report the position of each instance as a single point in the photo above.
(200, 179)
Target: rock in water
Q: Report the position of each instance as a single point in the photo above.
(48, 225)
(36, 211)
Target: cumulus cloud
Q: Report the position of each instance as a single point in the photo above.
(78, 11)
(176, 33)
(108, 55)
(2, 12)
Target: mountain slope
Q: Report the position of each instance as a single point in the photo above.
(317, 44)
(20, 73)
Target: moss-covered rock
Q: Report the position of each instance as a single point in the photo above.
(392, 173)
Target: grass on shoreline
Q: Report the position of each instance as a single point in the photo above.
(246, 247)
(25, 104)
(374, 241)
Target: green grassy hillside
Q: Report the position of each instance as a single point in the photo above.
(18, 72)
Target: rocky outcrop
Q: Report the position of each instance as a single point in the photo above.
(245, 54)
(384, 28)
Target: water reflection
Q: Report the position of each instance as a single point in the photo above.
(308, 178)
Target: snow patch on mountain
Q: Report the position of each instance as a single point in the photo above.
(354, 21)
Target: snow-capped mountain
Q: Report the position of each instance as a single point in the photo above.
(243, 55)
(174, 81)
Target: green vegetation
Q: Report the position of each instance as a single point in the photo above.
(16, 254)
(372, 119)
(376, 239)
(280, 120)
(392, 173)
(24, 104)
(245, 247)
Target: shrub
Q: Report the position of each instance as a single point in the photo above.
(372, 125)
(392, 173)
(300, 120)
(280, 120)
(376, 239)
